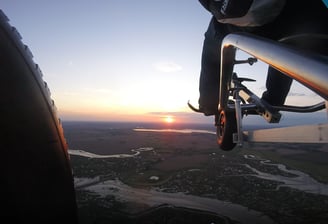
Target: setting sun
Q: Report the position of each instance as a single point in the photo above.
(169, 119)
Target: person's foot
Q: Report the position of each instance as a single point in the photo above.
(209, 111)
(206, 110)
(273, 100)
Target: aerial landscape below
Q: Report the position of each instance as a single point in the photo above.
(154, 173)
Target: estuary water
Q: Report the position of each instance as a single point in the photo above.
(134, 152)
(300, 181)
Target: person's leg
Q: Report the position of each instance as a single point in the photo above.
(210, 69)
(278, 86)
(308, 18)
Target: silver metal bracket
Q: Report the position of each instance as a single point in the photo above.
(250, 61)
(239, 121)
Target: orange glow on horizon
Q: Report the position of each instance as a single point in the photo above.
(168, 119)
(85, 115)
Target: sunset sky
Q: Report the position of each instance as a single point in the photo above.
(114, 60)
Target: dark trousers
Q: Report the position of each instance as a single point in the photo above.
(210, 68)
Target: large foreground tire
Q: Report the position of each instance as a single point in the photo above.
(226, 127)
(36, 176)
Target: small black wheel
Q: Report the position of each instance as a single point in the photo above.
(226, 126)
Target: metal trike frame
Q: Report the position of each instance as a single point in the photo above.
(236, 100)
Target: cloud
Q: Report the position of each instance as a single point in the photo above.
(166, 66)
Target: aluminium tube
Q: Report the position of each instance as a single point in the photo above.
(309, 69)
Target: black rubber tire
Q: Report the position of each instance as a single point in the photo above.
(37, 181)
(226, 126)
